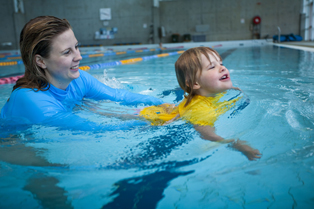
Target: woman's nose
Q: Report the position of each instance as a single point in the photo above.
(78, 56)
(222, 68)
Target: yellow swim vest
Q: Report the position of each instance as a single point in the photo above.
(201, 110)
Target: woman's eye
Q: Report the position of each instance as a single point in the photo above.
(67, 52)
(212, 67)
(221, 64)
(77, 46)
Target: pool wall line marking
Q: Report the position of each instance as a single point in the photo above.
(225, 54)
(128, 61)
(13, 79)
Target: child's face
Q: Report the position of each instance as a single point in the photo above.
(214, 79)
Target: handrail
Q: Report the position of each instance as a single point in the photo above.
(279, 32)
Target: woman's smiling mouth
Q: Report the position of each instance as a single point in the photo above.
(76, 67)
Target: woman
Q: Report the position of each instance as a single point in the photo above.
(53, 82)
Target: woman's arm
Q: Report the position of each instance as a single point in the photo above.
(27, 106)
(94, 89)
(208, 133)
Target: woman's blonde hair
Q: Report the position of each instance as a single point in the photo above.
(189, 66)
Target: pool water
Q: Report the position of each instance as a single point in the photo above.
(144, 166)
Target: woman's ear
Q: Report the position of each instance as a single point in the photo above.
(40, 61)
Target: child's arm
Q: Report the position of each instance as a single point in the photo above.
(246, 149)
(208, 133)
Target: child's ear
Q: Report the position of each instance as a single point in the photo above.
(40, 61)
(187, 83)
(196, 85)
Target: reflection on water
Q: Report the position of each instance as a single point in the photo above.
(142, 192)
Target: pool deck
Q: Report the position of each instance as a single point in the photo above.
(303, 45)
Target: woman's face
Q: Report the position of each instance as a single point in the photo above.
(62, 65)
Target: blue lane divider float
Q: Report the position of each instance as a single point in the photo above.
(6, 60)
(13, 79)
(127, 61)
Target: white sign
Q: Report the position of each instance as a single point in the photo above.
(105, 13)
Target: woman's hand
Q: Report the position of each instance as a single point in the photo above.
(168, 107)
(173, 119)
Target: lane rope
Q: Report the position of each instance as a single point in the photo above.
(7, 59)
(127, 61)
(13, 79)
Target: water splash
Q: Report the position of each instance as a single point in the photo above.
(112, 82)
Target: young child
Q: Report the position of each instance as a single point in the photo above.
(203, 78)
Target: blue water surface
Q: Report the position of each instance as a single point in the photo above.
(144, 166)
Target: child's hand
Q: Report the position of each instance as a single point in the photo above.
(247, 150)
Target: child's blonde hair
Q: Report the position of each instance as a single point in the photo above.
(189, 66)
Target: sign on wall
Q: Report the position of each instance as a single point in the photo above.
(105, 13)
(106, 33)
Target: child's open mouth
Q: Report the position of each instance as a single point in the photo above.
(224, 77)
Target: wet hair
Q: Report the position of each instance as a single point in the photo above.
(189, 66)
(36, 38)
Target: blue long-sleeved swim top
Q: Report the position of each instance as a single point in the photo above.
(36, 106)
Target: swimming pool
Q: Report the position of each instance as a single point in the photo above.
(171, 166)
